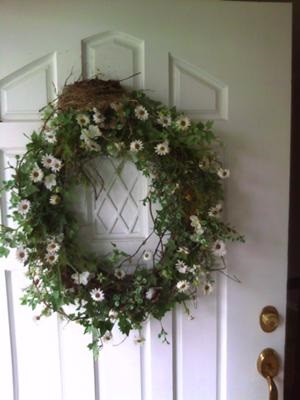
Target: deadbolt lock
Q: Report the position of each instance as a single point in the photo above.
(269, 319)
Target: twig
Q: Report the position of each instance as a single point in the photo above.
(130, 76)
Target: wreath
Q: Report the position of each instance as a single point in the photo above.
(93, 118)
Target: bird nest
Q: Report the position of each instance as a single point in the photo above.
(87, 94)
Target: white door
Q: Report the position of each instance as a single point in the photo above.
(225, 61)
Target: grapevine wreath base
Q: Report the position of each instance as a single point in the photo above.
(93, 118)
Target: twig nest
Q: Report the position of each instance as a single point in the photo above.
(89, 93)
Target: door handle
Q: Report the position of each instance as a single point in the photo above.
(268, 366)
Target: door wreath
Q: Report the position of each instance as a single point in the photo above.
(93, 118)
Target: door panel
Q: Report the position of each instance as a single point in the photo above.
(229, 62)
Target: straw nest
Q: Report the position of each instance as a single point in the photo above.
(86, 94)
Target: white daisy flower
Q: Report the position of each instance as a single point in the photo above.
(54, 199)
(151, 292)
(97, 294)
(116, 106)
(98, 118)
(183, 250)
(51, 258)
(107, 336)
(183, 123)
(182, 286)
(113, 316)
(197, 269)
(24, 206)
(47, 161)
(147, 255)
(82, 119)
(215, 211)
(81, 278)
(223, 173)
(207, 288)
(219, 248)
(141, 113)
(50, 137)
(50, 181)
(56, 165)
(92, 145)
(164, 120)
(139, 339)
(92, 132)
(53, 247)
(119, 273)
(195, 223)
(136, 146)
(162, 148)
(181, 266)
(36, 175)
(21, 254)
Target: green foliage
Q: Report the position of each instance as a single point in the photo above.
(180, 159)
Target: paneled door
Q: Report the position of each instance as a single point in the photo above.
(225, 61)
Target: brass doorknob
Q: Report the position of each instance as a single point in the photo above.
(268, 366)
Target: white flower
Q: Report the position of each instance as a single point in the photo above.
(197, 269)
(47, 161)
(50, 181)
(219, 248)
(97, 294)
(195, 223)
(147, 255)
(164, 120)
(36, 175)
(113, 316)
(150, 293)
(207, 288)
(54, 199)
(136, 146)
(81, 278)
(141, 113)
(107, 336)
(24, 206)
(183, 250)
(215, 211)
(223, 173)
(50, 137)
(181, 266)
(119, 146)
(182, 286)
(56, 165)
(116, 106)
(183, 122)
(92, 132)
(119, 273)
(92, 145)
(53, 247)
(139, 339)
(21, 254)
(162, 148)
(80, 305)
(98, 117)
(82, 119)
(51, 258)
